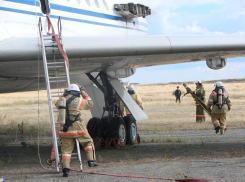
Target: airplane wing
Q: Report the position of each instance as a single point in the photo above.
(118, 55)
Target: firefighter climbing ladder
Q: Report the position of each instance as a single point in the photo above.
(56, 74)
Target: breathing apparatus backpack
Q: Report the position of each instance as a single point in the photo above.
(220, 92)
(63, 110)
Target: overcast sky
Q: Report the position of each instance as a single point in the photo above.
(193, 17)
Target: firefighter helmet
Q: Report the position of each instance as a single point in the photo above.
(218, 84)
(198, 81)
(73, 87)
(131, 87)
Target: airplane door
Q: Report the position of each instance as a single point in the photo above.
(45, 6)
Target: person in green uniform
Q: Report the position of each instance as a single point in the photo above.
(200, 92)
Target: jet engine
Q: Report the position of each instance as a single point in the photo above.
(216, 63)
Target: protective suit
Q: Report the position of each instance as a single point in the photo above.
(219, 111)
(78, 101)
(200, 92)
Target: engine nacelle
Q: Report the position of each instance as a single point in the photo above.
(216, 63)
(121, 73)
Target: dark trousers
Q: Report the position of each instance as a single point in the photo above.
(177, 98)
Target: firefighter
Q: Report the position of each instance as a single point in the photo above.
(220, 101)
(136, 98)
(75, 128)
(200, 92)
(177, 94)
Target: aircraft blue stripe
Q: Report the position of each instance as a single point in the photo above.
(20, 11)
(69, 19)
(76, 10)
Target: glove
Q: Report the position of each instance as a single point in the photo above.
(84, 94)
(229, 108)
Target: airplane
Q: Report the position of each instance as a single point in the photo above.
(105, 40)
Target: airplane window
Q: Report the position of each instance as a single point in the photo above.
(88, 2)
(78, 1)
(45, 6)
(105, 4)
(97, 3)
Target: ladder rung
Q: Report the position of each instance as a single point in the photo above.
(55, 63)
(52, 49)
(48, 35)
(57, 54)
(74, 157)
(54, 111)
(58, 77)
(52, 45)
(55, 81)
(56, 66)
(48, 38)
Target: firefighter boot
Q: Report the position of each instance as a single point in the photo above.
(217, 128)
(222, 131)
(65, 172)
(92, 163)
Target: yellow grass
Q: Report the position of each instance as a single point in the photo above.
(159, 102)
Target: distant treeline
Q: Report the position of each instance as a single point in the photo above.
(237, 80)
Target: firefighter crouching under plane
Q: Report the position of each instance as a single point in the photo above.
(136, 98)
(74, 127)
(200, 92)
(220, 100)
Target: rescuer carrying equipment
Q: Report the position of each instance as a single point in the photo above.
(220, 91)
(197, 99)
(220, 102)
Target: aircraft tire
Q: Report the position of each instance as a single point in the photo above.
(131, 130)
(93, 126)
(117, 129)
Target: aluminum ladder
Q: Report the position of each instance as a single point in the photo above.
(56, 75)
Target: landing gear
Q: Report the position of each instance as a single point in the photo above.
(110, 125)
(131, 129)
(117, 129)
(93, 126)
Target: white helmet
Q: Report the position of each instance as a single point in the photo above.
(73, 87)
(218, 84)
(198, 81)
(131, 87)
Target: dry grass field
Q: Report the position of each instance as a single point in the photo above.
(19, 111)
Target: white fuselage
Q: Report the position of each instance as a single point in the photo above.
(20, 18)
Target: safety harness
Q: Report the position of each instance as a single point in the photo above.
(69, 121)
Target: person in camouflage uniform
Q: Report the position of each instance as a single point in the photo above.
(136, 98)
(220, 102)
(200, 92)
(79, 100)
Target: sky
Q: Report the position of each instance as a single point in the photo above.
(193, 17)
